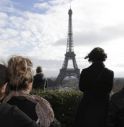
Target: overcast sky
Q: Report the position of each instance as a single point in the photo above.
(38, 29)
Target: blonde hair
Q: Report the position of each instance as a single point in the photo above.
(19, 72)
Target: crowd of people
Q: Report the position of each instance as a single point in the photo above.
(18, 108)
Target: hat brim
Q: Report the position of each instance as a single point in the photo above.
(86, 57)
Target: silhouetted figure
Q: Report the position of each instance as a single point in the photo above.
(96, 83)
(116, 110)
(11, 116)
(39, 80)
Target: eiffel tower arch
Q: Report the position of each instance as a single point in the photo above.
(69, 55)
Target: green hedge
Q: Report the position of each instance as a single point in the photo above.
(64, 104)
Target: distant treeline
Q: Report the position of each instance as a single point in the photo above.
(118, 84)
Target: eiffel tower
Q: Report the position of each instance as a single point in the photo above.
(70, 55)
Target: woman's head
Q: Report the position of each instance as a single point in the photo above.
(19, 73)
(96, 55)
(38, 69)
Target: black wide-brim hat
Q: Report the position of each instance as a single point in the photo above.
(97, 54)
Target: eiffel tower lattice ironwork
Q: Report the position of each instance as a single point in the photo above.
(70, 55)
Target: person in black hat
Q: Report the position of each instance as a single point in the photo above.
(11, 116)
(96, 83)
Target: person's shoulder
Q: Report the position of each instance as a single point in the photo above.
(85, 69)
(6, 107)
(40, 75)
(40, 100)
(35, 77)
(44, 107)
(109, 70)
(118, 95)
(14, 116)
(23, 99)
(118, 98)
(43, 103)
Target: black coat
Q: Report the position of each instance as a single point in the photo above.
(116, 110)
(11, 116)
(96, 83)
(25, 105)
(39, 81)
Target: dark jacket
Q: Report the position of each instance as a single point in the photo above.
(96, 79)
(36, 107)
(39, 81)
(11, 116)
(27, 106)
(96, 83)
(116, 110)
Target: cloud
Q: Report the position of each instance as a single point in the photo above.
(42, 6)
(99, 36)
(4, 3)
(94, 37)
(3, 19)
(8, 7)
(29, 33)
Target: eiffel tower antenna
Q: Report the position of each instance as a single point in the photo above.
(70, 55)
(70, 3)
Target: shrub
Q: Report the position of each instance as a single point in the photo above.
(64, 104)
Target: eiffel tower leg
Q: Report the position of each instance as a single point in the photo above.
(74, 63)
(60, 77)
